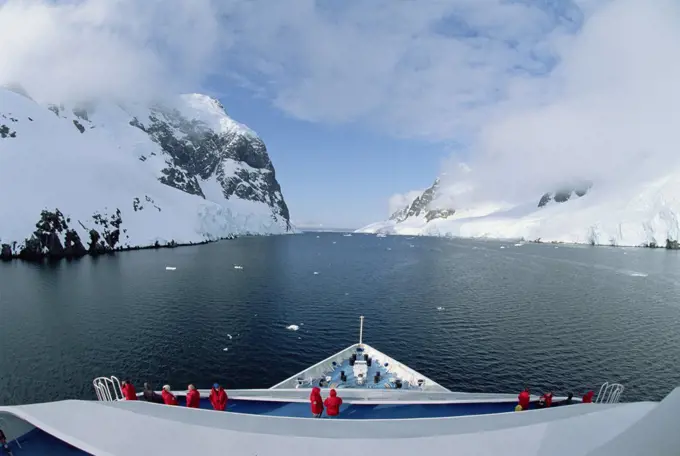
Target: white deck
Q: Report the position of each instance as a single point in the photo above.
(139, 428)
(390, 370)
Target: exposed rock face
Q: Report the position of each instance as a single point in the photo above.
(564, 194)
(53, 226)
(421, 205)
(199, 153)
(439, 214)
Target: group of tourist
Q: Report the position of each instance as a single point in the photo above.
(546, 400)
(218, 396)
(332, 403)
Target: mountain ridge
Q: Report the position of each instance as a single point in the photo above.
(114, 176)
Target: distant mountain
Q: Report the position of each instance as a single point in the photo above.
(423, 205)
(104, 176)
(642, 214)
(565, 193)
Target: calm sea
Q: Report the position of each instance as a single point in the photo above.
(473, 315)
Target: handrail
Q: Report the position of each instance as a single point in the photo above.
(108, 389)
(609, 393)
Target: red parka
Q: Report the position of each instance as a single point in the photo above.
(548, 399)
(524, 398)
(169, 398)
(316, 401)
(588, 397)
(333, 404)
(193, 399)
(218, 398)
(129, 392)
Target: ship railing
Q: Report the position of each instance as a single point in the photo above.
(108, 389)
(609, 393)
(5, 427)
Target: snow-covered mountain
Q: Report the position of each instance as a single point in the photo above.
(641, 214)
(104, 176)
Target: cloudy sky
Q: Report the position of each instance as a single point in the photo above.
(362, 102)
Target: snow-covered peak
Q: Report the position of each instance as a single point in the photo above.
(211, 112)
(107, 175)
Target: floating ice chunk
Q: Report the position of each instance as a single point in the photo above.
(440, 308)
(229, 336)
(411, 245)
(237, 266)
(389, 248)
(334, 242)
(316, 273)
(293, 327)
(170, 268)
(502, 246)
(348, 235)
(225, 349)
(519, 244)
(302, 324)
(318, 237)
(637, 274)
(299, 337)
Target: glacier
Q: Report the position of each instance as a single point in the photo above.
(103, 176)
(642, 214)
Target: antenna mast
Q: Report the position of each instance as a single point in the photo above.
(361, 330)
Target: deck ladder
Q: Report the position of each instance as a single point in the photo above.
(108, 389)
(4, 427)
(609, 393)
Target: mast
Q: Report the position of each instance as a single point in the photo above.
(361, 330)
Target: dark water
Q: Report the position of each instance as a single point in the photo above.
(566, 319)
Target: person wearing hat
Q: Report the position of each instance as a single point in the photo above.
(168, 397)
(218, 397)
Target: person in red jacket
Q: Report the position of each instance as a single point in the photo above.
(193, 397)
(168, 397)
(547, 398)
(218, 397)
(317, 402)
(129, 392)
(524, 398)
(588, 397)
(333, 404)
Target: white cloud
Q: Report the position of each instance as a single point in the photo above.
(609, 112)
(80, 49)
(429, 69)
(540, 92)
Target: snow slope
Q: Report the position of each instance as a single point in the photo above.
(180, 171)
(645, 214)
